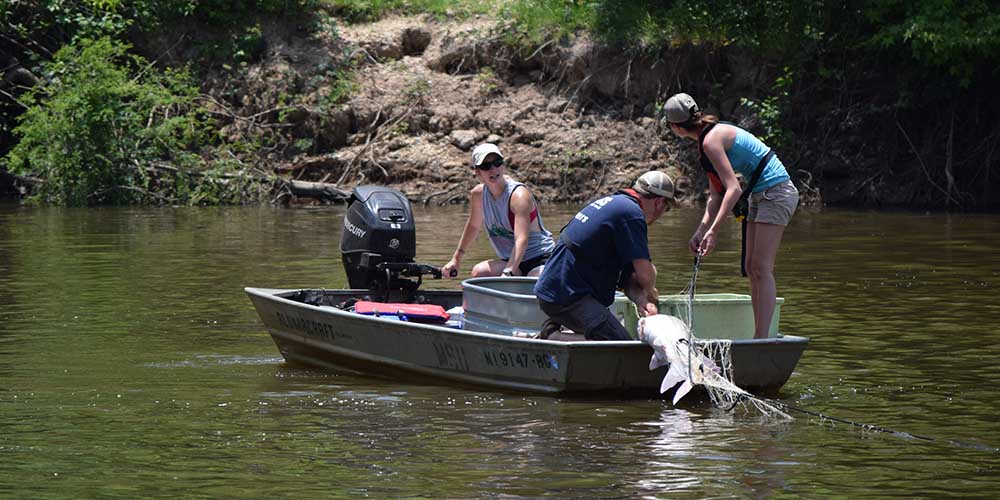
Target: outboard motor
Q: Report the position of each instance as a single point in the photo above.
(379, 242)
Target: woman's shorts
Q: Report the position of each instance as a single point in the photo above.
(527, 265)
(774, 205)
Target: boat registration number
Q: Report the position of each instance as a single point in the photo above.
(506, 359)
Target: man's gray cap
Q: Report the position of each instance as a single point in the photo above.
(656, 183)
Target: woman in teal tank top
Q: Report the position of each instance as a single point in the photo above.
(725, 151)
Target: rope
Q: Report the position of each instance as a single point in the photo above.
(867, 427)
(690, 311)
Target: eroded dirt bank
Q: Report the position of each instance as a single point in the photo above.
(574, 119)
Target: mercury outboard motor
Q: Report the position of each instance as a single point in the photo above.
(379, 242)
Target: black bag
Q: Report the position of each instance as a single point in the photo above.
(742, 206)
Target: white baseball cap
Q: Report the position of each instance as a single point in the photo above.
(483, 150)
(656, 183)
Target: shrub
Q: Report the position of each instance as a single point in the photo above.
(99, 123)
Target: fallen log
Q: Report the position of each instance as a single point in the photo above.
(322, 191)
(11, 184)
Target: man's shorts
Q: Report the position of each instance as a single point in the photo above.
(774, 205)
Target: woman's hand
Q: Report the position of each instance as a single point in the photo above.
(707, 243)
(450, 270)
(695, 243)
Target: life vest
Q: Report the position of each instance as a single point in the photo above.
(706, 164)
(425, 313)
(510, 212)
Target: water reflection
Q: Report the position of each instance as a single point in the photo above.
(675, 446)
(691, 449)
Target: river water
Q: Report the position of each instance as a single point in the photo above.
(133, 366)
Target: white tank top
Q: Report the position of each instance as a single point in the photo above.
(499, 223)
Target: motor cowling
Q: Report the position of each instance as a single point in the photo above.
(379, 241)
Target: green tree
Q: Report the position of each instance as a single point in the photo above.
(101, 121)
(954, 36)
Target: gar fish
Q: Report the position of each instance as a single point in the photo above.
(668, 336)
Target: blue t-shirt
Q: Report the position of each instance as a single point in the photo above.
(595, 252)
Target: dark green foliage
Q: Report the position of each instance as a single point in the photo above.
(358, 11)
(950, 35)
(108, 128)
(101, 121)
(41, 26)
(957, 36)
(217, 13)
(37, 28)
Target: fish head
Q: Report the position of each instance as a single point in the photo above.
(663, 333)
(661, 328)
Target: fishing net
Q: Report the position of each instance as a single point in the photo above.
(718, 379)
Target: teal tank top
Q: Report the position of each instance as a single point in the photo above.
(747, 152)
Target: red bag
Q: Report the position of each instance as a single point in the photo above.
(424, 313)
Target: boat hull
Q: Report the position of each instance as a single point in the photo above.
(325, 336)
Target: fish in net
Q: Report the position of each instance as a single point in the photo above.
(694, 362)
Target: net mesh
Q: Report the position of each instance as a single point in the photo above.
(718, 382)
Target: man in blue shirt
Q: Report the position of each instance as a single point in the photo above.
(602, 249)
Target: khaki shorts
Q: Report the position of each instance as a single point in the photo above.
(774, 205)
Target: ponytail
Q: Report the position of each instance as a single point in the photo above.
(697, 121)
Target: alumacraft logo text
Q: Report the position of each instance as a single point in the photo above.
(355, 230)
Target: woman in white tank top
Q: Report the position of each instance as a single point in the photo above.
(509, 214)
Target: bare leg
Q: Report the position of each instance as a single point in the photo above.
(765, 241)
(488, 268)
(748, 265)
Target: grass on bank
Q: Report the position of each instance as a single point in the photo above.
(362, 11)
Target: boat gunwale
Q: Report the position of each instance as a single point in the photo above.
(274, 294)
